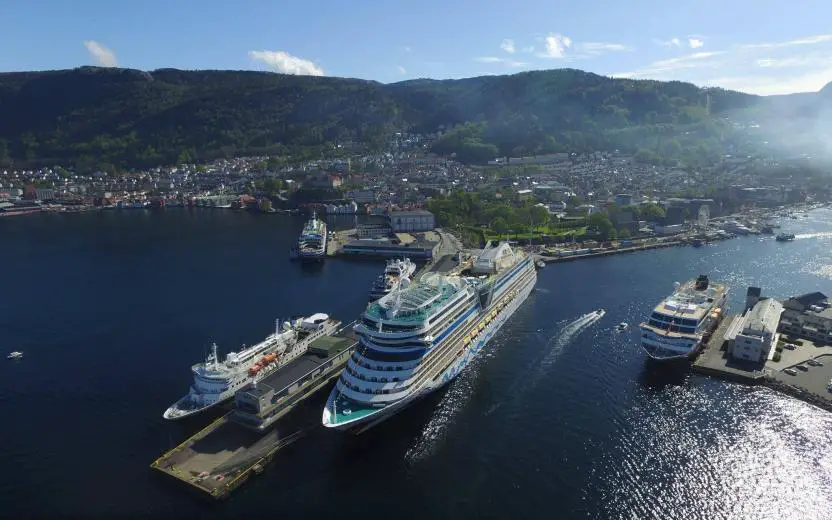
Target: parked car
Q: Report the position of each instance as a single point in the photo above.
(790, 346)
(815, 363)
(790, 371)
(802, 367)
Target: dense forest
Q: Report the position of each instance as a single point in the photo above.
(125, 118)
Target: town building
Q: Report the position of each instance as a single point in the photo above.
(753, 334)
(623, 199)
(409, 221)
(808, 316)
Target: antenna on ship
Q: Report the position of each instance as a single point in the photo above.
(277, 327)
(214, 354)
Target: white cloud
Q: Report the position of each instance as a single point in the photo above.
(601, 47)
(771, 85)
(797, 65)
(530, 48)
(284, 62)
(104, 56)
(808, 40)
(695, 43)
(658, 69)
(407, 48)
(495, 59)
(508, 46)
(556, 46)
(401, 70)
(673, 42)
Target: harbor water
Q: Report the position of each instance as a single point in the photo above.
(561, 417)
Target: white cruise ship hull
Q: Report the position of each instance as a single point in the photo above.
(183, 408)
(365, 422)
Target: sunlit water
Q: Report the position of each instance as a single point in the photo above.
(560, 417)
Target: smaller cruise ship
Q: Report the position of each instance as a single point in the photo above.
(785, 237)
(681, 322)
(312, 240)
(217, 381)
(396, 272)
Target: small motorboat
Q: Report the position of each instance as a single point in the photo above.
(621, 327)
(15, 355)
(540, 264)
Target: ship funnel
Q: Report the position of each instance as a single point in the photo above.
(752, 296)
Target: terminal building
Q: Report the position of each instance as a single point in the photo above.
(808, 316)
(753, 335)
(410, 221)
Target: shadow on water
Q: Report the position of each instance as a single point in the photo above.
(657, 376)
(400, 429)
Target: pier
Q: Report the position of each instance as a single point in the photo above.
(809, 383)
(223, 455)
(226, 453)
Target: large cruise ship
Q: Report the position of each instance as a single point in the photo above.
(416, 339)
(681, 322)
(215, 381)
(395, 273)
(312, 240)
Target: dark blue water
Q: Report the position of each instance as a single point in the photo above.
(558, 419)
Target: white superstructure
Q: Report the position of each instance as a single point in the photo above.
(395, 273)
(312, 240)
(679, 323)
(216, 381)
(416, 339)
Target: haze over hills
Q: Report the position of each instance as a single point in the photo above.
(96, 117)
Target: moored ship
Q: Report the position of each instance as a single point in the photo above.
(216, 382)
(312, 240)
(681, 322)
(414, 340)
(785, 237)
(395, 273)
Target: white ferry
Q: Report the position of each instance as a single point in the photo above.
(312, 240)
(416, 339)
(396, 272)
(215, 381)
(680, 323)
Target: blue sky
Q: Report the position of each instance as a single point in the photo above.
(760, 46)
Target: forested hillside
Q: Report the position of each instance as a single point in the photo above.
(93, 116)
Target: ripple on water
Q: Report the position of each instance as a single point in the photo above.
(711, 450)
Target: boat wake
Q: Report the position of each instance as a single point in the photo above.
(453, 402)
(555, 346)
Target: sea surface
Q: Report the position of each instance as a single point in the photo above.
(561, 417)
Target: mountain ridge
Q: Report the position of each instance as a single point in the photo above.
(131, 117)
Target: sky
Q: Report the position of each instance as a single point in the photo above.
(757, 46)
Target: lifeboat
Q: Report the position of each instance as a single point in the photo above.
(268, 358)
(253, 370)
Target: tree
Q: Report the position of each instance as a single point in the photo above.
(602, 226)
(651, 212)
(624, 233)
(499, 226)
(539, 216)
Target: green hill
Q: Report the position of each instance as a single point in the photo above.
(93, 116)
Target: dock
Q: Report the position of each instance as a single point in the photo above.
(226, 453)
(223, 455)
(809, 383)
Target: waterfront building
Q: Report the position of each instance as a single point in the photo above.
(753, 334)
(808, 316)
(409, 221)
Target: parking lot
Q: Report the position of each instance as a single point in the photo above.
(813, 379)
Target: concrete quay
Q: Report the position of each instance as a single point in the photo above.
(809, 383)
